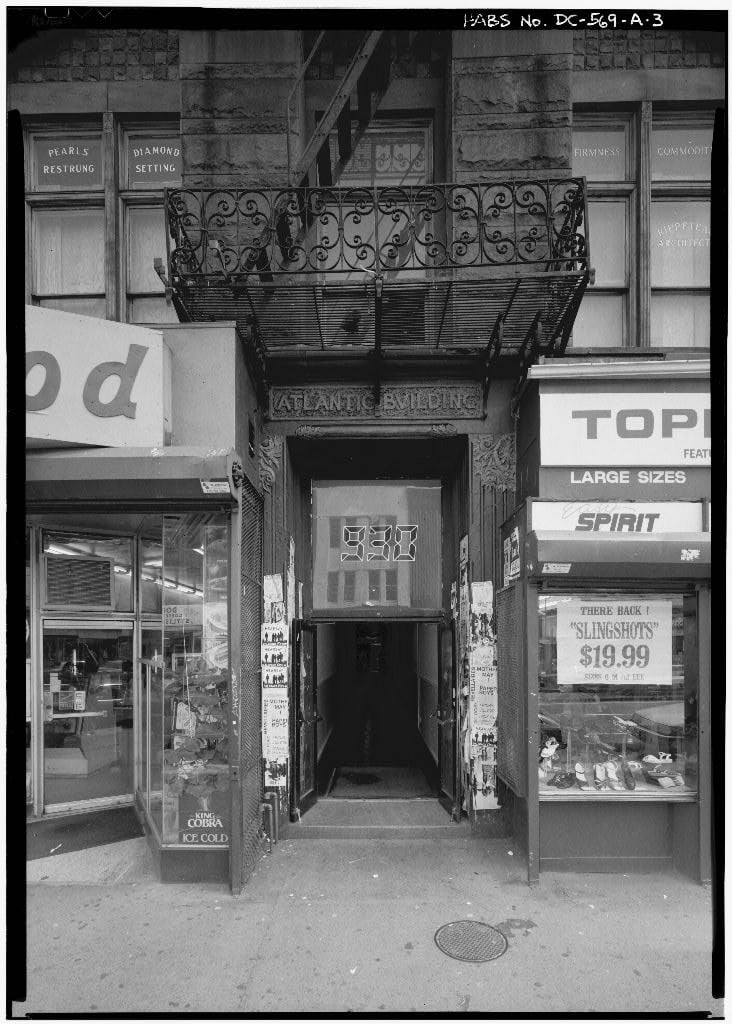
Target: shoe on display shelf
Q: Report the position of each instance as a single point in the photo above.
(580, 777)
(628, 777)
(612, 776)
(665, 782)
(564, 780)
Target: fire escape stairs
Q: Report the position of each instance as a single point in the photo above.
(368, 75)
(260, 283)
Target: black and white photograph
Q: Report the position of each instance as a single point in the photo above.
(372, 360)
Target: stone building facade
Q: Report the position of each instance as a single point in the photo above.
(401, 360)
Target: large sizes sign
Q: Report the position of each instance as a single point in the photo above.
(625, 428)
(94, 382)
(637, 517)
(614, 641)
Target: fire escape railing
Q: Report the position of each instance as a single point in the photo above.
(234, 235)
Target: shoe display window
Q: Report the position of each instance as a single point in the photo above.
(617, 695)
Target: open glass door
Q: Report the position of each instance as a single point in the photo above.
(448, 747)
(304, 789)
(88, 713)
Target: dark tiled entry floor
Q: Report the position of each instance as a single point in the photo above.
(379, 782)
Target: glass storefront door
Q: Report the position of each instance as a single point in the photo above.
(88, 676)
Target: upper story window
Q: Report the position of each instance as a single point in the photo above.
(681, 160)
(96, 222)
(65, 182)
(649, 226)
(603, 151)
(396, 156)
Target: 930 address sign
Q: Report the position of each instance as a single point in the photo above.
(403, 548)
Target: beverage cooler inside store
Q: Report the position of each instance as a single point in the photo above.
(183, 789)
(602, 667)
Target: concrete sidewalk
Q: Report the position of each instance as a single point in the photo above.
(348, 925)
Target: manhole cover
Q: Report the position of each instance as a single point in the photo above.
(471, 940)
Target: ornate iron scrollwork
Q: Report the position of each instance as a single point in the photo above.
(231, 233)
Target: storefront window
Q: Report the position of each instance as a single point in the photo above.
(389, 545)
(151, 724)
(617, 695)
(151, 567)
(193, 687)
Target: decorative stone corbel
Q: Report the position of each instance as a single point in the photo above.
(237, 473)
(270, 457)
(494, 459)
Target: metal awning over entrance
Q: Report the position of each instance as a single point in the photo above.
(144, 477)
(559, 554)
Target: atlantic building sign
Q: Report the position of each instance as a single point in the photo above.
(416, 401)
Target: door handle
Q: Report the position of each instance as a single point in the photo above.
(445, 721)
(301, 720)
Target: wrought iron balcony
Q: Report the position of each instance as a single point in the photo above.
(478, 267)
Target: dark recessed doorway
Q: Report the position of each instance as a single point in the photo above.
(377, 695)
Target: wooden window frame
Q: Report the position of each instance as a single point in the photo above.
(640, 191)
(681, 190)
(114, 195)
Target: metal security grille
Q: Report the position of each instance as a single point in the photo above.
(511, 754)
(250, 712)
(79, 581)
(473, 941)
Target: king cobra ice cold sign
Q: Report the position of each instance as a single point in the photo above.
(94, 382)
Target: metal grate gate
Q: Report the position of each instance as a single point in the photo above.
(512, 742)
(250, 712)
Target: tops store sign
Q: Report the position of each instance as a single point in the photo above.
(625, 429)
(93, 382)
